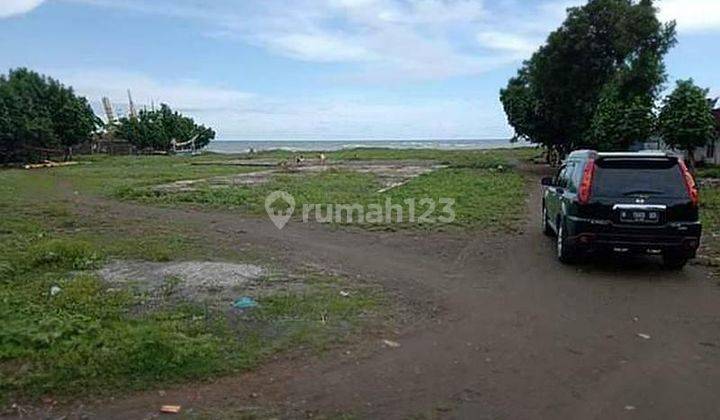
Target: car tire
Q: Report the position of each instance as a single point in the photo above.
(547, 230)
(674, 262)
(566, 252)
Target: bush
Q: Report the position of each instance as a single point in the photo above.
(63, 254)
(39, 113)
(156, 129)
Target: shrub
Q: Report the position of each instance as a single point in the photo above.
(62, 254)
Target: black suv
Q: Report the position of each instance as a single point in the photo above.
(642, 202)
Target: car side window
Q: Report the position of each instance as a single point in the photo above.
(564, 178)
(577, 175)
(570, 172)
(559, 178)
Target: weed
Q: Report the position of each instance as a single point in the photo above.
(61, 254)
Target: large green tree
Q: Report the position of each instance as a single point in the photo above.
(620, 121)
(38, 112)
(156, 129)
(686, 121)
(554, 98)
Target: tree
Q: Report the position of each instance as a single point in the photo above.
(554, 98)
(38, 112)
(619, 121)
(686, 121)
(158, 128)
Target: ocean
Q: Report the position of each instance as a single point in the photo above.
(243, 146)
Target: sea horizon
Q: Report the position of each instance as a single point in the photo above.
(243, 146)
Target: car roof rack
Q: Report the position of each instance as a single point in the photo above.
(642, 154)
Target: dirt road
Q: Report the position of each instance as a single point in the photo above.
(517, 334)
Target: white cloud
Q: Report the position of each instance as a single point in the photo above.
(241, 115)
(523, 46)
(17, 7)
(317, 47)
(186, 94)
(359, 118)
(692, 15)
(383, 39)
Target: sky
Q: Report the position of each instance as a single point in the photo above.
(315, 69)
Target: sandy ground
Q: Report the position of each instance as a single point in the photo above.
(515, 334)
(389, 174)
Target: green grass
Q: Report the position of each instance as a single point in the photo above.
(710, 214)
(709, 172)
(483, 198)
(108, 174)
(487, 192)
(90, 338)
(455, 158)
(710, 209)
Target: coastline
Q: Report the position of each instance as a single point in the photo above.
(243, 146)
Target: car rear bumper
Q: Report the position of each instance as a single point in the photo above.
(677, 237)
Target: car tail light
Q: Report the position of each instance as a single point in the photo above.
(689, 183)
(586, 184)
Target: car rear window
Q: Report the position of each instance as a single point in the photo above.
(626, 177)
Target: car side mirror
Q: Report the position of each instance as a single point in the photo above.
(547, 181)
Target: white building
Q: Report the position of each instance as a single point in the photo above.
(709, 155)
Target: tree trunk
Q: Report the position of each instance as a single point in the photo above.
(691, 160)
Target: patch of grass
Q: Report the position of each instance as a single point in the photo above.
(456, 158)
(483, 198)
(81, 338)
(710, 215)
(319, 316)
(109, 175)
(65, 333)
(710, 209)
(68, 333)
(60, 254)
(712, 171)
(40, 204)
(486, 199)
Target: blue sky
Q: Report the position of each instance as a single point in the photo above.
(315, 69)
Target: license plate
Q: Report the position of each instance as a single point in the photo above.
(639, 216)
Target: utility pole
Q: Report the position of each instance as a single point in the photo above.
(109, 112)
(131, 105)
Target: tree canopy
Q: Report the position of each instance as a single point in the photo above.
(38, 112)
(156, 129)
(686, 121)
(604, 62)
(618, 122)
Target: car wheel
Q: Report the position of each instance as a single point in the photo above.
(674, 262)
(547, 230)
(565, 251)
